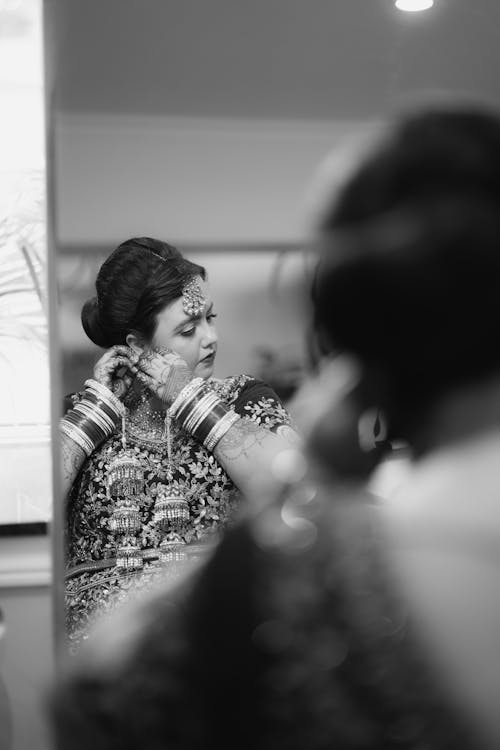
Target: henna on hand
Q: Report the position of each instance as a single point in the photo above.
(115, 367)
(164, 372)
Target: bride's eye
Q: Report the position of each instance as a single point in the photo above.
(188, 333)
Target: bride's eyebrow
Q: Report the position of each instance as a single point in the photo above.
(192, 319)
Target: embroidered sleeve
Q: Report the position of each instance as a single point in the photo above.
(258, 402)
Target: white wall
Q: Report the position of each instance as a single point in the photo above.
(190, 180)
(26, 646)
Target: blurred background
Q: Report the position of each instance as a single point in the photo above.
(201, 123)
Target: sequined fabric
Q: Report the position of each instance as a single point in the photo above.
(93, 584)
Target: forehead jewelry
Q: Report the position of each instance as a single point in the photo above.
(193, 301)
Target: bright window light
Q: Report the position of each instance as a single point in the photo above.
(413, 6)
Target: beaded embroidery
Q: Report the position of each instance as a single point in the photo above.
(211, 496)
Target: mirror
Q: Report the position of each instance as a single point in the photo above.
(202, 124)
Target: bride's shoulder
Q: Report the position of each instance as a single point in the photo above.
(232, 386)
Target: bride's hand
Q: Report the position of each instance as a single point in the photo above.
(116, 369)
(164, 372)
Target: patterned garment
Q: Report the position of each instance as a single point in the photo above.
(296, 635)
(94, 585)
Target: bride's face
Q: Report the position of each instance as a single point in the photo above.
(193, 338)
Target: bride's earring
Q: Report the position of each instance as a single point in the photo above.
(125, 485)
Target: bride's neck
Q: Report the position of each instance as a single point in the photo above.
(142, 399)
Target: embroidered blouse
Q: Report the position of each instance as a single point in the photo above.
(94, 585)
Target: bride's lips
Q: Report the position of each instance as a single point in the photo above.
(209, 358)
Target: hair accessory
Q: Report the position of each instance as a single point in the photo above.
(193, 300)
(159, 256)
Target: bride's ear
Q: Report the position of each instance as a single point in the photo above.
(135, 343)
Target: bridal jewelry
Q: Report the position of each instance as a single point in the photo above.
(193, 301)
(171, 509)
(126, 484)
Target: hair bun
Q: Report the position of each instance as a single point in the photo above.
(92, 324)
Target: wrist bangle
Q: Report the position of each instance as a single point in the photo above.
(107, 395)
(77, 436)
(93, 418)
(219, 430)
(185, 395)
(202, 413)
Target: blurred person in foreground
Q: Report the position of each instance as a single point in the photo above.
(325, 620)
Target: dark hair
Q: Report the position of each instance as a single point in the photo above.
(410, 278)
(136, 282)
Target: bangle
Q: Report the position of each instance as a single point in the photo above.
(93, 418)
(77, 436)
(107, 396)
(101, 419)
(185, 395)
(201, 412)
(219, 430)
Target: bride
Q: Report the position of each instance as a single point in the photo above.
(155, 451)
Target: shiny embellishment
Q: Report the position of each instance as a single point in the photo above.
(172, 552)
(92, 544)
(128, 554)
(125, 475)
(171, 509)
(126, 484)
(126, 518)
(193, 300)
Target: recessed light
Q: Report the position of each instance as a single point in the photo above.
(412, 6)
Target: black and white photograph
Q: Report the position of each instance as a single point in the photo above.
(249, 374)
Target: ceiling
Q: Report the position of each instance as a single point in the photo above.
(317, 59)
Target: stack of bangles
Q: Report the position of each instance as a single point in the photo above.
(202, 413)
(94, 418)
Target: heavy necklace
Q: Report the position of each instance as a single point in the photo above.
(126, 485)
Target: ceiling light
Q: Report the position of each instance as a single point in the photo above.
(413, 5)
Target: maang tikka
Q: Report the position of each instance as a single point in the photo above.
(193, 299)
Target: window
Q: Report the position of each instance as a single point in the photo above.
(25, 463)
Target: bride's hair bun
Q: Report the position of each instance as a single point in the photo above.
(140, 278)
(92, 324)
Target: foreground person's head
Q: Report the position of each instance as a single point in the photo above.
(410, 274)
(149, 295)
